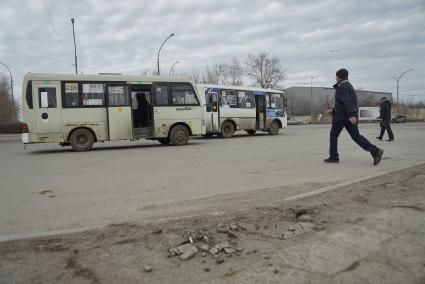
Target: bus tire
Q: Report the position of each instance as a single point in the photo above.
(164, 141)
(179, 135)
(274, 128)
(227, 130)
(251, 132)
(81, 140)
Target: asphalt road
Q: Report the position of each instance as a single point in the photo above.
(46, 188)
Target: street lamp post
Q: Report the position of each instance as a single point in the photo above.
(311, 98)
(172, 67)
(11, 87)
(171, 35)
(398, 82)
(75, 46)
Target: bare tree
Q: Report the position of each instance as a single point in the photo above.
(195, 75)
(214, 74)
(233, 72)
(266, 72)
(8, 108)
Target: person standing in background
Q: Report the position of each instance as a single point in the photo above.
(385, 116)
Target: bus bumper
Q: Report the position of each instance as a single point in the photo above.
(25, 138)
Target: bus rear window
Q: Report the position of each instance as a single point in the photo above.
(28, 95)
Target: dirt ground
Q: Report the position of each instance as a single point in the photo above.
(368, 232)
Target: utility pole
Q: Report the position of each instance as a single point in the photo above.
(398, 83)
(172, 67)
(75, 47)
(11, 89)
(171, 35)
(311, 98)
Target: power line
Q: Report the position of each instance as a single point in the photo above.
(44, 63)
(34, 57)
(53, 26)
(355, 46)
(414, 90)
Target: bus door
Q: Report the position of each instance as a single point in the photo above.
(213, 110)
(47, 110)
(260, 110)
(119, 112)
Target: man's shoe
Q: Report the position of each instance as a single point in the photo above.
(389, 140)
(377, 156)
(330, 160)
(379, 138)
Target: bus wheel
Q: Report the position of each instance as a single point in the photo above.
(164, 141)
(179, 135)
(81, 140)
(274, 128)
(227, 130)
(251, 132)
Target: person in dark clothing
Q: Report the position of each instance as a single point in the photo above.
(385, 116)
(345, 115)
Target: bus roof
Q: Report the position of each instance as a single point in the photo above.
(103, 77)
(239, 88)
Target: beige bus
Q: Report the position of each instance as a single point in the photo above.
(79, 110)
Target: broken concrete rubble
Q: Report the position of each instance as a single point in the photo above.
(223, 229)
(187, 251)
(148, 268)
(214, 251)
(229, 250)
(195, 242)
(203, 247)
(305, 218)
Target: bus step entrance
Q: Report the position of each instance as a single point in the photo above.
(143, 132)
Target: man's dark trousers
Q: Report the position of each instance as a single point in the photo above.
(353, 130)
(385, 125)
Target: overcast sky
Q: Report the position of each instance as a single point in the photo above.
(374, 40)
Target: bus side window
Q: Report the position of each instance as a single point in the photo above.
(232, 99)
(183, 94)
(161, 95)
(47, 97)
(208, 99)
(246, 99)
(223, 99)
(250, 100)
(118, 96)
(93, 94)
(267, 95)
(276, 101)
(72, 98)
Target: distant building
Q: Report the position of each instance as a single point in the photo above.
(303, 101)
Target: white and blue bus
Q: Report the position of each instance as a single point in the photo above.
(233, 108)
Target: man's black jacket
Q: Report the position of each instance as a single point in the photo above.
(385, 110)
(345, 102)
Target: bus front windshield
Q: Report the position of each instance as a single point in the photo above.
(276, 101)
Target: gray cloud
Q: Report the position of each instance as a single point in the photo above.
(374, 40)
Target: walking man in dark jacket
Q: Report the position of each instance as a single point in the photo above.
(385, 116)
(345, 115)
